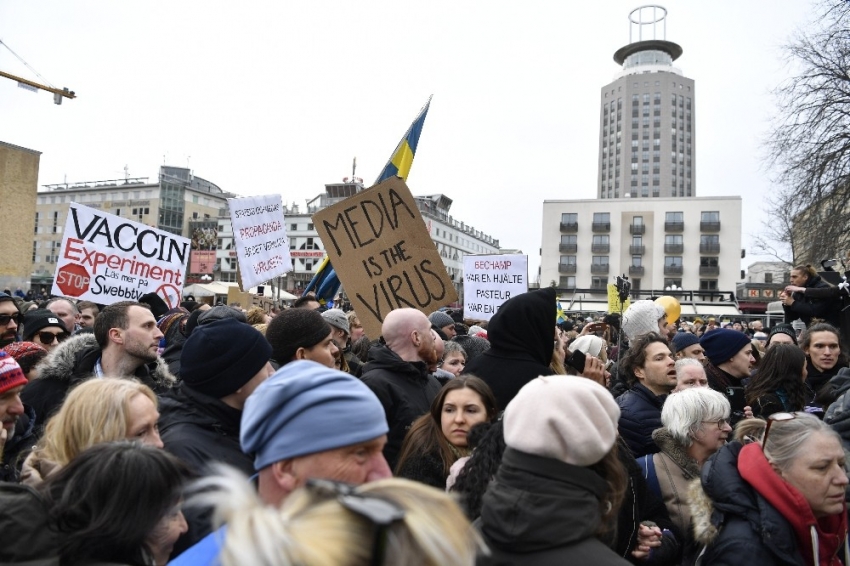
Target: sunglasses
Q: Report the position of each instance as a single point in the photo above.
(380, 512)
(48, 337)
(5, 318)
(772, 419)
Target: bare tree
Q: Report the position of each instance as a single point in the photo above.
(809, 147)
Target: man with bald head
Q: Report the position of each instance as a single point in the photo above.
(398, 373)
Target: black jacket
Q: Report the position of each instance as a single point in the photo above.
(522, 339)
(16, 450)
(640, 414)
(540, 512)
(71, 363)
(841, 298)
(807, 306)
(200, 430)
(405, 390)
(733, 521)
(27, 535)
(426, 468)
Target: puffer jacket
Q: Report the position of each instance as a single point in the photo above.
(640, 415)
(731, 520)
(73, 362)
(405, 390)
(540, 512)
(806, 306)
(522, 339)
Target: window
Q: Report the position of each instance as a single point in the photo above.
(636, 260)
(768, 277)
(294, 227)
(674, 217)
(569, 239)
(601, 217)
(673, 261)
(598, 282)
(600, 260)
(568, 260)
(35, 231)
(599, 240)
(310, 227)
(637, 240)
(709, 240)
(668, 283)
(637, 220)
(673, 240)
(56, 222)
(568, 282)
(708, 284)
(713, 216)
(569, 218)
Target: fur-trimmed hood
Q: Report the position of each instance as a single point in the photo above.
(74, 360)
(675, 451)
(701, 510)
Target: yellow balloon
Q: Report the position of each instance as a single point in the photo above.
(671, 307)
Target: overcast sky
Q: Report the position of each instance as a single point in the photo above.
(279, 96)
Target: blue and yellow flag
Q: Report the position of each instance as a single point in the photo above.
(402, 158)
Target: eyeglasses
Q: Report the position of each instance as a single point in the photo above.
(380, 512)
(720, 422)
(48, 337)
(5, 318)
(773, 418)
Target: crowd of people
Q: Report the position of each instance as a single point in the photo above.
(140, 435)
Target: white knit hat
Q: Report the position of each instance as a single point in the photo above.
(642, 317)
(588, 344)
(566, 418)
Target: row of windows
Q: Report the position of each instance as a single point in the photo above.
(605, 217)
(680, 86)
(637, 260)
(569, 282)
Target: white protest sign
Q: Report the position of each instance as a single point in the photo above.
(105, 259)
(259, 231)
(490, 280)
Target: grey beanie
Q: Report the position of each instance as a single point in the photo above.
(219, 313)
(337, 319)
(440, 319)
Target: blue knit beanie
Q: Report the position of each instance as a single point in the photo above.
(305, 408)
(722, 344)
(684, 340)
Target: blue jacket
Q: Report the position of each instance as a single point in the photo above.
(640, 414)
(204, 553)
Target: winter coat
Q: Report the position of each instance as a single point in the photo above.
(405, 390)
(841, 304)
(806, 306)
(15, 451)
(522, 339)
(71, 363)
(26, 534)
(838, 414)
(539, 512)
(36, 469)
(425, 468)
(720, 381)
(732, 520)
(640, 415)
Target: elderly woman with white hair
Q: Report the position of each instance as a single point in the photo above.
(696, 425)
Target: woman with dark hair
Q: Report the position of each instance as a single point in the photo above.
(799, 304)
(437, 439)
(821, 343)
(780, 382)
(480, 468)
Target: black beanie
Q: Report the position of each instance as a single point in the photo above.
(222, 356)
(155, 302)
(293, 329)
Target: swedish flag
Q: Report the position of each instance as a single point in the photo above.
(402, 158)
(324, 283)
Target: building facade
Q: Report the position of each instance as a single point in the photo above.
(647, 130)
(661, 243)
(762, 284)
(171, 204)
(18, 187)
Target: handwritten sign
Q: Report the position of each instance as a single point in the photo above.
(259, 231)
(379, 246)
(105, 259)
(490, 280)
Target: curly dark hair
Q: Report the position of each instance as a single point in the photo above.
(481, 467)
(636, 356)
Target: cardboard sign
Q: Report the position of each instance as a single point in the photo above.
(379, 246)
(259, 232)
(105, 259)
(490, 280)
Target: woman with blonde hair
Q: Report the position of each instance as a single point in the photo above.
(390, 521)
(96, 411)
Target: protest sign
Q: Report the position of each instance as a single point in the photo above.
(105, 259)
(379, 247)
(259, 232)
(490, 280)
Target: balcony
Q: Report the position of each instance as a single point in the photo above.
(637, 250)
(674, 226)
(598, 287)
(599, 268)
(568, 248)
(566, 268)
(637, 229)
(600, 248)
(709, 226)
(709, 270)
(672, 270)
(709, 248)
(635, 270)
(601, 227)
(674, 248)
(569, 226)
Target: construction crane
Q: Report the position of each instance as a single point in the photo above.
(58, 94)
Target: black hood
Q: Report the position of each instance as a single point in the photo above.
(724, 485)
(525, 325)
(538, 503)
(380, 356)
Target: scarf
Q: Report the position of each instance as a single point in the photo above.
(827, 533)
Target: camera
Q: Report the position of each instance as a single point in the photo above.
(624, 287)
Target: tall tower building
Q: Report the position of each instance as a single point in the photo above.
(646, 121)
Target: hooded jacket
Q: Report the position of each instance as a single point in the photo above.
(640, 415)
(522, 339)
(15, 451)
(806, 307)
(731, 519)
(540, 511)
(405, 390)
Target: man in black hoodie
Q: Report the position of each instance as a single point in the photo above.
(398, 374)
(522, 339)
